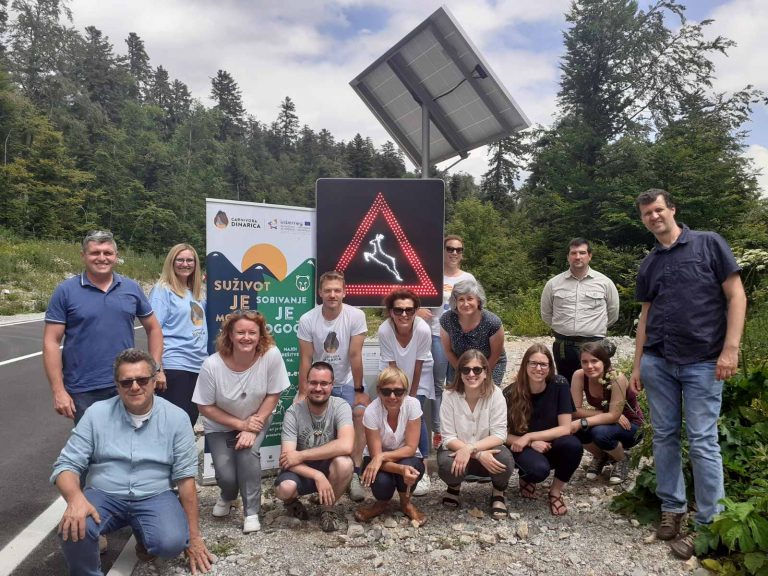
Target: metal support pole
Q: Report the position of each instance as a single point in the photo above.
(424, 141)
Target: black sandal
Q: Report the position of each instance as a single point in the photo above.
(451, 497)
(527, 490)
(296, 509)
(499, 512)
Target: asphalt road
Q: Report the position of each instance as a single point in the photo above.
(31, 436)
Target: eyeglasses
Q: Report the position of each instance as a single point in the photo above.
(476, 370)
(397, 311)
(454, 249)
(322, 383)
(398, 392)
(140, 380)
(533, 364)
(184, 260)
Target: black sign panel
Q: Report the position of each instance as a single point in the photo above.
(382, 235)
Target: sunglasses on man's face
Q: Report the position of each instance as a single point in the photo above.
(392, 391)
(454, 249)
(142, 381)
(476, 370)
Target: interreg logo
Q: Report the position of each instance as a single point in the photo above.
(272, 224)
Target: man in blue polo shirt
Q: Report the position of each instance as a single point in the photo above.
(693, 308)
(94, 313)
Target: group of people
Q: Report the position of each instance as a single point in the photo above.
(131, 459)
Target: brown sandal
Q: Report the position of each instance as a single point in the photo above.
(527, 490)
(556, 505)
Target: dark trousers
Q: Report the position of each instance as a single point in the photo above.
(567, 354)
(181, 385)
(83, 400)
(386, 483)
(608, 436)
(474, 468)
(564, 457)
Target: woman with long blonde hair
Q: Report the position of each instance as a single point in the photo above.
(179, 306)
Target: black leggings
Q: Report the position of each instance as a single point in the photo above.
(564, 457)
(181, 385)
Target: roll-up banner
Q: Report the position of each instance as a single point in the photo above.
(261, 257)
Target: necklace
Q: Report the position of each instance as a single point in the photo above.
(318, 428)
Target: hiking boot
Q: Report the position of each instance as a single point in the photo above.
(670, 524)
(684, 547)
(329, 521)
(619, 471)
(356, 490)
(595, 468)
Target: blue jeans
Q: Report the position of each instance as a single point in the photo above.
(158, 522)
(83, 400)
(607, 436)
(690, 390)
(424, 437)
(385, 484)
(439, 370)
(345, 390)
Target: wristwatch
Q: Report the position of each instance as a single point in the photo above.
(584, 425)
(360, 390)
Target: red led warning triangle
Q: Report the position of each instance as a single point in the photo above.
(425, 287)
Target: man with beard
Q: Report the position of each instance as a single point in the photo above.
(317, 441)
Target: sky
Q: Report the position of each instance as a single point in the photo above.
(311, 49)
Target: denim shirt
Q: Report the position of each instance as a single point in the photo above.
(127, 462)
(687, 319)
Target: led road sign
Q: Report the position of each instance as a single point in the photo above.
(382, 235)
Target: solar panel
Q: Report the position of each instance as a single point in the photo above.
(438, 68)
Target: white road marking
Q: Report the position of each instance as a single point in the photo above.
(127, 560)
(17, 322)
(25, 357)
(27, 540)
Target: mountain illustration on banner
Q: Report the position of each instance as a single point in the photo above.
(381, 252)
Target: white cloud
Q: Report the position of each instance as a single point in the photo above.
(759, 155)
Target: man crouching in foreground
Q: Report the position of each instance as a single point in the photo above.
(317, 441)
(134, 447)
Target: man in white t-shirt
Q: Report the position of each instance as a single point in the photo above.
(453, 253)
(334, 332)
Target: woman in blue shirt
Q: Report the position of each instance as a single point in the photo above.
(178, 303)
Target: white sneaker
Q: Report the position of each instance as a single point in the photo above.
(251, 524)
(221, 508)
(422, 488)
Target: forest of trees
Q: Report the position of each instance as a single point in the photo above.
(94, 138)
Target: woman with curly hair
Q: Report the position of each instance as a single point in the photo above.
(539, 409)
(238, 389)
(610, 426)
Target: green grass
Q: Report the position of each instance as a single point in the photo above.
(31, 269)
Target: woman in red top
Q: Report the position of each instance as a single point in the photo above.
(611, 424)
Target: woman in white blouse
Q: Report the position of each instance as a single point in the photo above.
(474, 426)
(393, 462)
(237, 390)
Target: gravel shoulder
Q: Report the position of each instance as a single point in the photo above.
(589, 541)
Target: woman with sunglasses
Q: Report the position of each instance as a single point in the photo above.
(179, 306)
(611, 424)
(405, 342)
(392, 460)
(539, 409)
(468, 326)
(237, 391)
(474, 419)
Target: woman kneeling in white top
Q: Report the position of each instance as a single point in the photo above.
(393, 462)
(473, 417)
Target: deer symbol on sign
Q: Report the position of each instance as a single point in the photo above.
(382, 258)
